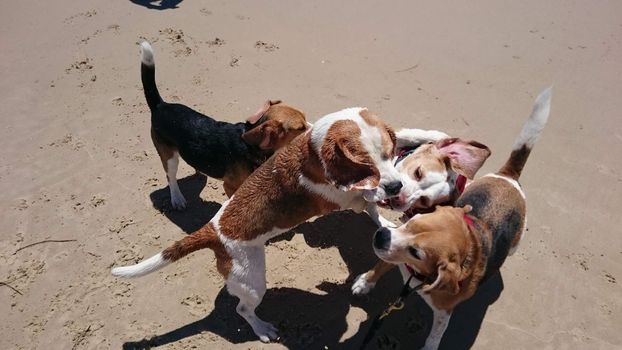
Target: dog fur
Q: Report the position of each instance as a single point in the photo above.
(343, 162)
(459, 248)
(221, 150)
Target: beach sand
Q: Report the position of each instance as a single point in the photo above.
(77, 163)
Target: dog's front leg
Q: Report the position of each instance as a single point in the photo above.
(439, 325)
(416, 137)
(379, 220)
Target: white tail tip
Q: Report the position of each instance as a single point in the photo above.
(142, 268)
(146, 53)
(539, 116)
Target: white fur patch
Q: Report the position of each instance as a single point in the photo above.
(177, 198)
(371, 138)
(142, 268)
(533, 127)
(146, 54)
(512, 182)
(416, 137)
(344, 199)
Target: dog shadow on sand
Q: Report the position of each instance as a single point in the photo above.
(158, 4)
(307, 320)
(197, 213)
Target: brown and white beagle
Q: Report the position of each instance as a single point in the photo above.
(455, 249)
(435, 169)
(345, 161)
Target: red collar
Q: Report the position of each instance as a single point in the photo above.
(468, 220)
(461, 183)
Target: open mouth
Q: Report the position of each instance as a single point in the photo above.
(394, 203)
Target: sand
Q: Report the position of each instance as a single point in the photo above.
(77, 164)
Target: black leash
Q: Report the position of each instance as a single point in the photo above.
(398, 304)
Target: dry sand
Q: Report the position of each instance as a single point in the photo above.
(77, 163)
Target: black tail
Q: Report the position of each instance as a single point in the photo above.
(147, 73)
(528, 136)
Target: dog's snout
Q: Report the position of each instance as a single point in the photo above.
(382, 238)
(393, 187)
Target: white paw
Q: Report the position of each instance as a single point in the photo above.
(178, 201)
(265, 331)
(361, 285)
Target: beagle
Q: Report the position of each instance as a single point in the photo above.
(453, 250)
(435, 169)
(222, 150)
(343, 162)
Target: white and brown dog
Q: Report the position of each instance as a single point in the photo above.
(345, 161)
(455, 249)
(435, 169)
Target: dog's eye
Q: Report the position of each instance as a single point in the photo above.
(418, 173)
(414, 252)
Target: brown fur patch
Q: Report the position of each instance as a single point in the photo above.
(378, 270)
(347, 161)
(514, 166)
(205, 237)
(165, 151)
(272, 196)
(452, 251)
(386, 133)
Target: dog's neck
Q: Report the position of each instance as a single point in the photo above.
(480, 244)
(313, 168)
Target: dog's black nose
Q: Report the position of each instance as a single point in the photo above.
(382, 238)
(393, 187)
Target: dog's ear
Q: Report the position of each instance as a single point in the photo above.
(257, 115)
(350, 167)
(448, 278)
(266, 136)
(465, 157)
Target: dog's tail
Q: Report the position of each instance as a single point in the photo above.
(528, 136)
(204, 238)
(147, 74)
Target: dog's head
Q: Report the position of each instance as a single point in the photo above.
(430, 173)
(356, 150)
(436, 245)
(274, 125)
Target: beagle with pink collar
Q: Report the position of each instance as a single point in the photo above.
(345, 161)
(458, 248)
(435, 169)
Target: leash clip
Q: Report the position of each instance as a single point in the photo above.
(396, 305)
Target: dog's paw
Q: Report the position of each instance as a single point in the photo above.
(178, 201)
(265, 331)
(361, 285)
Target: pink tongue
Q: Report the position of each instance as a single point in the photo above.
(383, 203)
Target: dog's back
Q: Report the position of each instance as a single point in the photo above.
(498, 199)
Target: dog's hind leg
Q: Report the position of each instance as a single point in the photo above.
(170, 161)
(247, 281)
(177, 199)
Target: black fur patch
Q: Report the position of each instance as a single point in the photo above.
(208, 145)
(503, 234)
(478, 197)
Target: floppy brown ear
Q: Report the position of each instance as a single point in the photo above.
(350, 167)
(446, 280)
(465, 157)
(257, 115)
(266, 136)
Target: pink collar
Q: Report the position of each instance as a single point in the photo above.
(461, 183)
(468, 220)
